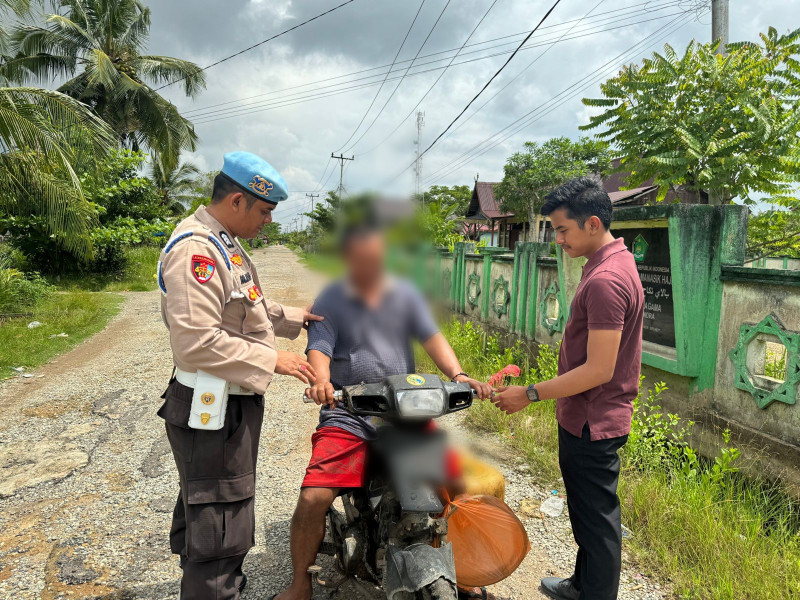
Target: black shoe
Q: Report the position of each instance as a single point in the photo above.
(560, 589)
(244, 583)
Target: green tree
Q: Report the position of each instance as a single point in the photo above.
(439, 224)
(271, 232)
(530, 175)
(323, 217)
(176, 186)
(99, 44)
(774, 233)
(457, 195)
(724, 124)
(44, 137)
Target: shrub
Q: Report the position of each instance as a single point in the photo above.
(19, 291)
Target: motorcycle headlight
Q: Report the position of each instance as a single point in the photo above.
(421, 403)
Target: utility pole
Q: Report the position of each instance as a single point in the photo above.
(312, 196)
(340, 191)
(418, 159)
(341, 158)
(719, 23)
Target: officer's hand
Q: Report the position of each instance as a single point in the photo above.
(322, 393)
(295, 365)
(309, 316)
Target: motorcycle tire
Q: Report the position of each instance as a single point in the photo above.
(441, 589)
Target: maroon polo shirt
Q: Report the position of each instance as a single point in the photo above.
(609, 296)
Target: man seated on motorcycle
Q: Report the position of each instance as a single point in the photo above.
(370, 323)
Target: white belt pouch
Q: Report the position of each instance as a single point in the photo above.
(209, 402)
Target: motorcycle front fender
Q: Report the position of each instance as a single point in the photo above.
(412, 568)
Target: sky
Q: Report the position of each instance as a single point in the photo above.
(326, 87)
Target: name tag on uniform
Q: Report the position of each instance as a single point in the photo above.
(209, 402)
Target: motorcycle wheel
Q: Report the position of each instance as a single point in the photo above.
(441, 589)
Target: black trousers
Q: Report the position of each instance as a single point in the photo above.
(213, 524)
(591, 474)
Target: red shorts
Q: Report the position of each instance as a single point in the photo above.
(338, 460)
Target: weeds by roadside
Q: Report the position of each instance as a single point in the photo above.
(78, 314)
(714, 533)
(138, 274)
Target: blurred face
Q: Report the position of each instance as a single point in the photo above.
(574, 240)
(363, 257)
(249, 221)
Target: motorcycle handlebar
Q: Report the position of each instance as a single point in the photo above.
(337, 395)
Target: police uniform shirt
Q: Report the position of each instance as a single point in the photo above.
(212, 304)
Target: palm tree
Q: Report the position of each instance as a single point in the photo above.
(43, 136)
(175, 185)
(98, 43)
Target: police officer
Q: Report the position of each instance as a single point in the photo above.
(222, 331)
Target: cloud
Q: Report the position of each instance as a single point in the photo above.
(298, 138)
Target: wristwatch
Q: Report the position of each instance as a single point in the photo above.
(533, 395)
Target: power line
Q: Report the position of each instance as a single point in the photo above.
(371, 104)
(261, 43)
(530, 64)
(399, 83)
(530, 117)
(319, 183)
(280, 103)
(208, 112)
(425, 95)
(476, 151)
(492, 78)
(649, 9)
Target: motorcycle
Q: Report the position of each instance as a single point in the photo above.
(391, 532)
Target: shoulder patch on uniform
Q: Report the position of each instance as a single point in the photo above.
(218, 244)
(245, 278)
(203, 268)
(227, 239)
(236, 259)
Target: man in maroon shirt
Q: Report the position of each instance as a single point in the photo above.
(598, 378)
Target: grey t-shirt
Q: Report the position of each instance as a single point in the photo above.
(366, 345)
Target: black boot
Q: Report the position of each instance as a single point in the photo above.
(560, 589)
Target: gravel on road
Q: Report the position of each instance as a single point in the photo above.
(88, 483)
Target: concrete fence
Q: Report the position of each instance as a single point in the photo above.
(724, 337)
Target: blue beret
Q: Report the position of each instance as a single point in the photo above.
(255, 175)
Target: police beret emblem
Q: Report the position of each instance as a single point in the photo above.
(260, 186)
(207, 398)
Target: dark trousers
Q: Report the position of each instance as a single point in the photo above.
(213, 524)
(591, 474)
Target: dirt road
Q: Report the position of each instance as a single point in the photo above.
(87, 481)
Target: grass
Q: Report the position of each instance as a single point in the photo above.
(712, 532)
(79, 314)
(138, 275)
(322, 262)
